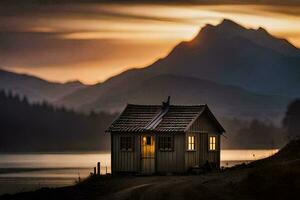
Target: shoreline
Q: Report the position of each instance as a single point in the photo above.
(275, 177)
(231, 183)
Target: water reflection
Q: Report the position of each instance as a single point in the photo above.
(23, 172)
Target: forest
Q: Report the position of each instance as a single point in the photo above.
(263, 134)
(41, 127)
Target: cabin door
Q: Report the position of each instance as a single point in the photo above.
(147, 154)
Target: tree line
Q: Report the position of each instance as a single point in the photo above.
(27, 127)
(263, 134)
(43, 127)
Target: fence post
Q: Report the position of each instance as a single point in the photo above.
(98, 170)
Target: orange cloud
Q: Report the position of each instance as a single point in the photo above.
(95, 42)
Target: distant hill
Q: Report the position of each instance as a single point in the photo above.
(40, 127)
(225, 100)
(241, 72)
(34, 88)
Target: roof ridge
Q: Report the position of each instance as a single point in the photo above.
(141, 118)
(175, 105)
(157, 119)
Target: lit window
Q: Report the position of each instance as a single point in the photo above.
(147, 140)
(165, 143)
(191, 143)
(126, 143)
(212, 143)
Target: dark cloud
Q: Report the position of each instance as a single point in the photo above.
(35, 15)
(290, 10)
(49, 2)
(46, 49)
(33, 35)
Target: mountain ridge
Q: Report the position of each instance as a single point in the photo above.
(259, 36)
(227, 55)
(34, 88)
(180, 88)
(243, 59)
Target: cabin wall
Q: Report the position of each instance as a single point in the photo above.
(171, 161)
(200, 154)
(179, 159)
(202, 128)
(214, 156)
(125, 161)
(207, 126)
(192, 156)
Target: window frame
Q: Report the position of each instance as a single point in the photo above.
(191, 142)
(148, 140)
(212, 144)
(164, 143)
(128, 143)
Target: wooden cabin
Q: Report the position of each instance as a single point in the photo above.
(148, 139)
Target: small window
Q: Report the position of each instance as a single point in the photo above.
(165, 143)
(191, 143)
(126, 143)
(212, 143)
(148, 140)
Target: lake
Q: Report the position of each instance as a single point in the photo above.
(24, 172)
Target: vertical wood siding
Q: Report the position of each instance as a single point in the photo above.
(179, 159)
(148, 154)
(125, 161)
(214, 156)
(171, 161)
(192, 157)
(202, 128)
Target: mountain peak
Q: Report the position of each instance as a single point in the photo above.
(230, 30)
(263, 31)
(227, 28)
(227, 23)
(75, 81)
(230, 27)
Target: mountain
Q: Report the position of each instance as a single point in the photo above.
(224, 99)
(231, 54)
(228, 29)
(36, 89)
(40, 127)
(240, 71)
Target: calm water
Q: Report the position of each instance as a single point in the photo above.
(23, 172)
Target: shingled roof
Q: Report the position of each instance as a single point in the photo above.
(159, 118)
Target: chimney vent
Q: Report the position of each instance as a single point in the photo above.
(167, 103)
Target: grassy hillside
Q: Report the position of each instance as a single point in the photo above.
(276, 177)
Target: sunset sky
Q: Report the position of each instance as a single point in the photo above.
(92, 42)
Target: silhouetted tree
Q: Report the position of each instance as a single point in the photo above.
(291, 120)
(252, 134)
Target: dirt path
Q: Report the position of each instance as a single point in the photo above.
(212, 186)
(177, 187)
